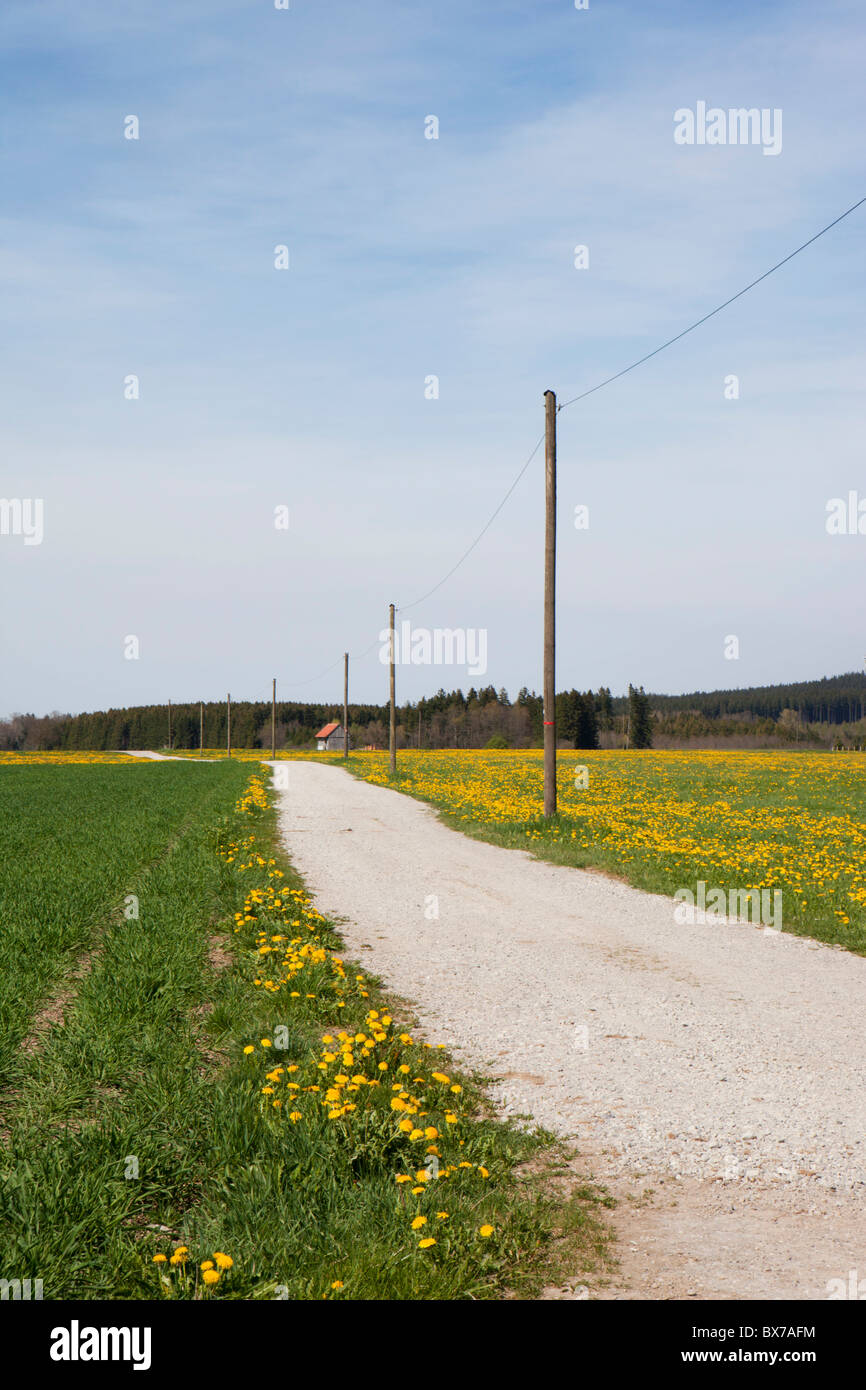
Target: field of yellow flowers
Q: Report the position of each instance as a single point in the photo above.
(63, 758)
(665, 820)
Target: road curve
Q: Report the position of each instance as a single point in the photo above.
(722, 1066)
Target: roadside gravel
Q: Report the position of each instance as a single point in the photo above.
(720, 1066)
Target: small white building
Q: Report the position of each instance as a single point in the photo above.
(330, 737)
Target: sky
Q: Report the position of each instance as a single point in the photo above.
(309, 388)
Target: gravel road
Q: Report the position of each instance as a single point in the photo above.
(720, 1066)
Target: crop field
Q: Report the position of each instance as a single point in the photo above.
(200, 1097)
(76, 840)
(794, 822)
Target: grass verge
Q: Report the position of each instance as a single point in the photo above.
(228, 1109)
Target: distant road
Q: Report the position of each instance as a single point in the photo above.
(163, 757)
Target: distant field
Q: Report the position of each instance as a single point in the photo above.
(664, 820)
(62, 758)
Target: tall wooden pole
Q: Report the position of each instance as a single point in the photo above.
(392, 731)
(274, 719)
(201, 727)
(345, 704)
(550, 604)
(169, 726)
(229, 725)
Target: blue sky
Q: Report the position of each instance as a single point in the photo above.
(411, 257)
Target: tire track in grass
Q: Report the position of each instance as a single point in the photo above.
(52, 1014)
(105, 1084)
(72, 838)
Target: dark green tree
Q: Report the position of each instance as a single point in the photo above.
(640, 729)
(604, 706)
(576, 718)
(586, 724)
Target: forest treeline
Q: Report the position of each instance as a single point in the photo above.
(831, 700)
(816, 713)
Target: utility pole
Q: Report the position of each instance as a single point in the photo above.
(201, 728)
(169, 726)
(274, 720)
(229, 728)
(419, 731)
(345, 704)
(392, 732)
(549, 603)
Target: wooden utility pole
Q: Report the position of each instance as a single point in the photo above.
(229, 725)
(201, 728)
(169, 726)
(274, 720)
(549, 603)
(392, 731)
(345, 704)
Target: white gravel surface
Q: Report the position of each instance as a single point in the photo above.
(723, 1058)
(162, 757)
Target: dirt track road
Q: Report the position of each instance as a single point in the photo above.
(720, 1066)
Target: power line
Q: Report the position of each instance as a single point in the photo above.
(310, 681)
(692, 326)
(404, 607)
(625, 372)
(591, 391)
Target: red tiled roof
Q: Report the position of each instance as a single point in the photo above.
(327, 730)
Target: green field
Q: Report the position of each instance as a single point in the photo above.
(76, 841)
(141, 1113)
